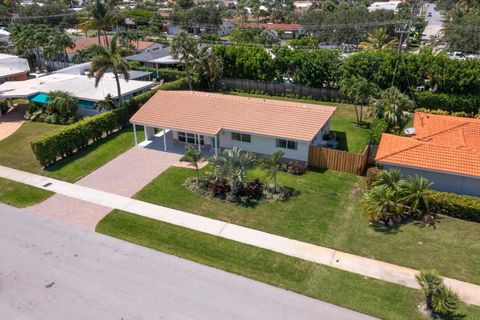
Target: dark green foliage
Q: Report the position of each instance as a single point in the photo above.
(372, 174)
(378, 127)
(468, 103)
(455, 205)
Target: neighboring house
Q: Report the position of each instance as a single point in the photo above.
(381, 5)
(224, 29)
(285, 30)
(213, 121)
(13, 68)
(302, 6)
(80, 86)
(443, 149)
(82, 43)
(152, 59)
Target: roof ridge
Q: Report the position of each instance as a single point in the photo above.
(443, 131)
(418, 143)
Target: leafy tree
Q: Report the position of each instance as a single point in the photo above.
(393, 107)
(193, 156)
(430, 282)
(52, 13)
(62, 103)
(109, 59)
(86, 54)
(245, 35)
(108, 103)
(380, 40)
(461, 32)
(209, 67)
(184, 48)
(273, 164)
(232, 164)
(358, 90)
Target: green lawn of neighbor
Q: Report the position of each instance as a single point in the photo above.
(374, 297)
(15, 152)
(21, 195)
(327, 211)
(350, 137)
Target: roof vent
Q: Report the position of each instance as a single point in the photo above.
(409, 131)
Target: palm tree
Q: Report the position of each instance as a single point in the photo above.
(63, 103)
(430, 282)
(413, 193)
(184, 48)
(380, 41)
(381, 204)
(193, 156)
(388, 178)
(393, 107)
(273, 165)
(102, 19)
(209, 66)
(109, 59)
(108, 103)
(232, 164)
(445, 301)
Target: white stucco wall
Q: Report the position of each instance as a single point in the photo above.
(443, 181)
(264, 145)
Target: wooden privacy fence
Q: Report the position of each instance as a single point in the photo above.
(338, 160)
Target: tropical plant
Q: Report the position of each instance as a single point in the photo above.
(388, 178)
(232, 164)
(185, 48)
(209, 67)
(193, 156)
(108, 103)
(445, 301)
(381, 203)
(413, 193)
(109, 59)
(273, 164)
(63, 103)
(358, 90)
(102, 17)
(380, 41)
(393, 107)
(430, 282)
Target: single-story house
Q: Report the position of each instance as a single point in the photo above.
(13, 68)
(80, 86)
(82, 43)
(443, 149)
(223, 29)
(384, 5)
(155, 58)
(214, 121)
(288, 30)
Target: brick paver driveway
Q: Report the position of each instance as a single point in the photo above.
(11, 121)
(125, 175)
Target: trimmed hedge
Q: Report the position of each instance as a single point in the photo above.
(378, 127)
(163, 73)
(468, 103)
(455, 205)
(63, 142)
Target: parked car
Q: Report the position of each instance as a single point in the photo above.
(429, 14)
(456, 55)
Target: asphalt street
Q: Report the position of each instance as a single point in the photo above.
(54, 271)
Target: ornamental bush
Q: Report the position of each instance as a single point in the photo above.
(455, 205)
(377, 128)
(466, 103)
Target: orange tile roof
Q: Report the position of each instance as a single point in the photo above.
(209, 113)
(440, 143)
(82, 43)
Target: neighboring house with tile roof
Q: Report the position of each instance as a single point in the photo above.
(443, 149)
(213, 121)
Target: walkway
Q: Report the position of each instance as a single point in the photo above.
(11, 121)
(469, 293)
(55, 272)
(141, 165)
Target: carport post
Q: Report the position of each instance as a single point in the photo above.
(135, 134)
(215, 141)
(199, 145)
(164, 139)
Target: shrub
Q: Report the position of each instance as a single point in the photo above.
(254, 189)
(372, 174)
(455, 205)
(430, 282)
(466, 103)
(282, 193)
(378, 127)
(218, 188)
(296, 168)
(445, 301)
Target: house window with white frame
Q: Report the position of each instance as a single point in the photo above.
(286, 144)
(190, 138)
(236, 136)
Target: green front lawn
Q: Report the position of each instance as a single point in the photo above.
(327, 211)
(15, 152)
(350, 137)
(21, 195)
(377, 298)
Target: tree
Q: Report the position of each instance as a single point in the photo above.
(102, 19)
(232, 164)
(62, 103)
(445, 301)
(273, 164)
(388, 178)
(393, 107)
(413, 192)
(358, 90)
(210, 67)
(109, 59)
(430, 282)
(108, 103)
(184, 48)
(380, 41)
(193, 156)
(381, 203)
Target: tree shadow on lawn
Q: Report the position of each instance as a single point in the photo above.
(395, 229)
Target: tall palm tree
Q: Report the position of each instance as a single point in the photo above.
(273, 165)
(109, 59)
(380, 41)
(393, 107)
(102, 19)
(184, 48)
(193, 156)
(209, 66)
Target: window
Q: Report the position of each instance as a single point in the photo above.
(190, 138)
(236, 136)
(286, 144)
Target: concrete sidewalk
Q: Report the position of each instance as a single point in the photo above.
(468, 292)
